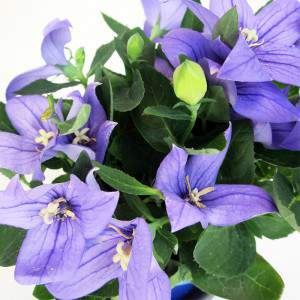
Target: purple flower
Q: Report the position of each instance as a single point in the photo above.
(260, 102)
(56, 36)
(94, 136)
(123, 251)
(59, 220)
(188, 183)
(265, 48)
(278, 136)
(38, 141)
(162, 15)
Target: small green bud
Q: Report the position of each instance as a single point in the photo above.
(189, 82)
(135, 46)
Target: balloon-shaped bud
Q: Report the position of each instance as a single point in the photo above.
(135, 47)
(189, 82)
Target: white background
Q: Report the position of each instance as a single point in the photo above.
(21, 25)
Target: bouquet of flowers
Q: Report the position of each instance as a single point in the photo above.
(169, 171)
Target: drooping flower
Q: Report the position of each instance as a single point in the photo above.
(188, 183)
(162, 15)
(56, 36)
(122, 251)
(59, 220)
(38, 140)
(265, 48)
(259, 102)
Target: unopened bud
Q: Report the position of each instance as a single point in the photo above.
(189, 82)
(135, 46)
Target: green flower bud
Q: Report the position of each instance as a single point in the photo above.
(189, 82)
(135, 46)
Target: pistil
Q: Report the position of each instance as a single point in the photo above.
(251, 36)
(194, 196)
(81, 137)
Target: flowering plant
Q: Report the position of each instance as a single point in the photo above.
(170, 170)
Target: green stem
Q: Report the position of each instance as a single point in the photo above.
(194, 113)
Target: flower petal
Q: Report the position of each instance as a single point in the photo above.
(94, 214)
(171, 174)
(96, 269)
(203, 169)
(17, 209)
(263, 133)
(98, 115)
(152, 11)
(18, 154)
(25, 115)
(29, 77)
(243, 65)
(134, 282)
(50, 253)
(279, 22)
(56, 35)
(282, 63)
(232, 204)
(102, 139)
(182, 214)
(193, 45)
(73, 151)
(264, 102)
(159, 286)
(206, 16)
(163, 67)
(292, 140)
(245, 13)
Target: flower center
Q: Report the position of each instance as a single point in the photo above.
(123, 249)
(57, 209)
(123, 255)
(81, 137)
(45, 137)
(194, 196)
(251, 36)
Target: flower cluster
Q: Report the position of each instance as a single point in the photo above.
(169, 170)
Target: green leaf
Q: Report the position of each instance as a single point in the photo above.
(11, 239)
(225, 251)
(217, 107)
(271, 226)
(70, 126)
(166, 112)
(183, 274)
(191, 21)
(40, 292)
(284, 198)
(123, 182)
(259, 282)
(5, 124)
(164, 244)
(284, 158)
(82, 166)
(238, 166)
(80, 58)
(137, 205)
(7, 173)
(114, 25)
(127, 95)
(156, 130)
(43, 86)
(103, 54)
(228, 28)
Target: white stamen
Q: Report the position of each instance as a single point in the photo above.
(53, 209)
(44, 137)
(81, 136)
(123, 255)
(250, 34)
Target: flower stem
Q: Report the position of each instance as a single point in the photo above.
(194, 113)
